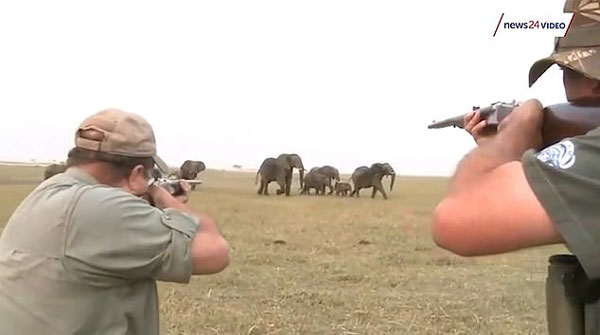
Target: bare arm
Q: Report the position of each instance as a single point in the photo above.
(490, 207)
(210, 251)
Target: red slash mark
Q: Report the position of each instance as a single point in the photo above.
(569, 27)
(501, 16)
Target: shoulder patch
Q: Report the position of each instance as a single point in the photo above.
(559, 155)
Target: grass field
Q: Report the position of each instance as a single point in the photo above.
(328, 265)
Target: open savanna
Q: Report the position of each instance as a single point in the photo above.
(329, 265)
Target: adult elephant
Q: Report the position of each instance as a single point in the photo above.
(330, 172)
(53, 169)
(280, 170)
(190, 169)
(365, 177)
(318, 181)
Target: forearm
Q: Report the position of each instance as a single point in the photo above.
(491, 154)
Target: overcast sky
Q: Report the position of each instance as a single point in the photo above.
(345, 83)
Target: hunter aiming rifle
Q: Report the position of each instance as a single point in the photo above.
(560, 120)
(571, 297)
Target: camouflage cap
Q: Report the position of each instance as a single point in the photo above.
(579, 50)
(119, 133)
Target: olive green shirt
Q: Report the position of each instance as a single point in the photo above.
(565, 177)
(78, 257)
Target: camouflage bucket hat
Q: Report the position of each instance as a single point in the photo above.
(119, 133)
(578, 51)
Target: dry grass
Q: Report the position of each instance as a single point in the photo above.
(327, 265)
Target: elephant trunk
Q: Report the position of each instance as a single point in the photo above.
(392, 183)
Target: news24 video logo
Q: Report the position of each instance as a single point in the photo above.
(531, 24)
(554, 24)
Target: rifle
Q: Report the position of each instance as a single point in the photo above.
(174, 185)
(560, 120)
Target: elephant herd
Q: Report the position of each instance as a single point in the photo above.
(280, 170)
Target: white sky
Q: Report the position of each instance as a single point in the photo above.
(345, 83)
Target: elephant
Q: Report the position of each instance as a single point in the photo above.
(316, 180)
(156, 174)
(190, 169)
(331, 173)
(279, 169)
(365, 177)
(342, 188)
(53, 169)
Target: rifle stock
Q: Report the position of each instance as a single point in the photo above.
(560, 120)
(568, 120)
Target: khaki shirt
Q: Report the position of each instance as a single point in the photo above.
(78, 257)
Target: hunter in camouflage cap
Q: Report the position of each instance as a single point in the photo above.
(579, 50)
(116, 132)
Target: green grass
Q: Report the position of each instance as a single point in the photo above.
(328, 265)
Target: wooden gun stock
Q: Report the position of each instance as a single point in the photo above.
(568, 120)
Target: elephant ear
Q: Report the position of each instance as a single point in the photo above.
(377, 166)
(284, 161)
(388, 168)
(201, 166)
(185, 164)
(296, 161)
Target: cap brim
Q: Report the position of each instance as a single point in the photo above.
(538, 68)
(162, 166)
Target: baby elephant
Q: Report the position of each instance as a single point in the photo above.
(315, 180)
(342, 188)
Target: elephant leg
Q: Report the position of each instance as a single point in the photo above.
(373, 193)
(193, 187)
(266, 190)
(281, 183)
(261, 187)
(379, 187)
(288, 184)
(330, 186)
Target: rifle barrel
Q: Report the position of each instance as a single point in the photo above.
(456, 121)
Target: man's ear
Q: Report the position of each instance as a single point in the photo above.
(137, 172)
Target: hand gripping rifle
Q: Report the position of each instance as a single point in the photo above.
(560, 120)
